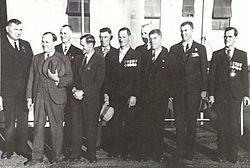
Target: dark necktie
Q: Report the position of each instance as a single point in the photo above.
(187, 48)
(16, 46)
(228, 54)
(65, 50)
(153, 56)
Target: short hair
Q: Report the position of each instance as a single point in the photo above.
(68, 27)
(125, 28)
(188, 23)
(144, 25)
(16, 21)
(106, 29)
(89, 38)
(54, 38)
(231, 28)
(155, 31)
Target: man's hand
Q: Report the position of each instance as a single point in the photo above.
(131, 101)
(78, 94)
(203, 94)
(106, 98)
(54, 76)
(29, 103)
(246, 101)
(1, 103)
(211, 100)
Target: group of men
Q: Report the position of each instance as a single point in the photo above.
(67, 84)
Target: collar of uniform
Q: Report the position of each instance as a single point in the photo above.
(157, 52)
(231, 51)
(12, 42)
(190, 43)
(66, 45)
(108, 48)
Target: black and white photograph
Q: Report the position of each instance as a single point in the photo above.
(124, 84)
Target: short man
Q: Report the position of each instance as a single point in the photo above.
(228, 86)
(124, 89)
(16, 60)
(68, 49)
(107, 51)
(89, 73)
(47, 90)
(188, 69)
(155, 98)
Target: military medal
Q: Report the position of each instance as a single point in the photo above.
(232, 73)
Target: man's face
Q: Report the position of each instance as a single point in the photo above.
(65, 34)
(86, 47)
(186, 32)
(105, 39)
(144, 34)
(229, 38)
(48, 44)
(14, 31)
(155, 41)
(123, 38)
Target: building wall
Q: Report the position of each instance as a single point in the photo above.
(47, 15)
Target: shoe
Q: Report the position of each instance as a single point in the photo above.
(33, 162)
(92, 160)
(6, 155)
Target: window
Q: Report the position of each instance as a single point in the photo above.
(222, 13)
(153, 12)
(188, 8)
(74, 12)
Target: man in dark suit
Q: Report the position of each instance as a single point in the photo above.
(71, 51)
(228, 86)
(155, 98)
(188, 72)
(124, 90)
(16, 59)
(103, 138)
(89, 73)
(47, 90)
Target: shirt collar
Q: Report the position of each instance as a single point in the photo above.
(108, 47)
(12, 42)
(190, 43)
(157, 52)
(89, 55)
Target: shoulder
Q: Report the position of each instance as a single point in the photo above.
(176, 46)
(198, 45)
(98, 57)
(240, 52)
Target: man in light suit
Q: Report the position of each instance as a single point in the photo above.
(155, 99)
(89, 73)
(228, 87)
(71, 51)
(124, 92)
(16, 60)
(47, 90)
(188, 71)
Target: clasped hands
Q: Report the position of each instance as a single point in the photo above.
(78, 94)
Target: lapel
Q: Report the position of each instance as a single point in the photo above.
(40, 61)
(89, 65)
(180, 53)
(127, 55)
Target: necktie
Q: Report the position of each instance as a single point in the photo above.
(46, 56)
(16, 46)
(153, 56)
(187, 47)
(65, 50)
(228, 54)
(84, 62)
(105, 51)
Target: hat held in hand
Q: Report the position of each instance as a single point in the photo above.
(54, 63)
(106, 113)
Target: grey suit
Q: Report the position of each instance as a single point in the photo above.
(49, 100)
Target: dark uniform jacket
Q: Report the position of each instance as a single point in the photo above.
(124, 77)
(15, 67)
(228, 78)
(189, 71)
(72, 52)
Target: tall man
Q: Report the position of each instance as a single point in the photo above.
(155, 98)
(189, 80)
(109, 53)
(47, 90)
(228, 86)
(71, 51)
(124, 89)
(16, 59)
(89, 72)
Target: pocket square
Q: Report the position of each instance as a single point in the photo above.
(195, 55)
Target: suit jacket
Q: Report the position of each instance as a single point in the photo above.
(156, 77)
(72, 52)
(222, 82)
(125, 76)
(15, 67)
(90, 78)
(189, 72)
(38, 82)
(113, 52)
